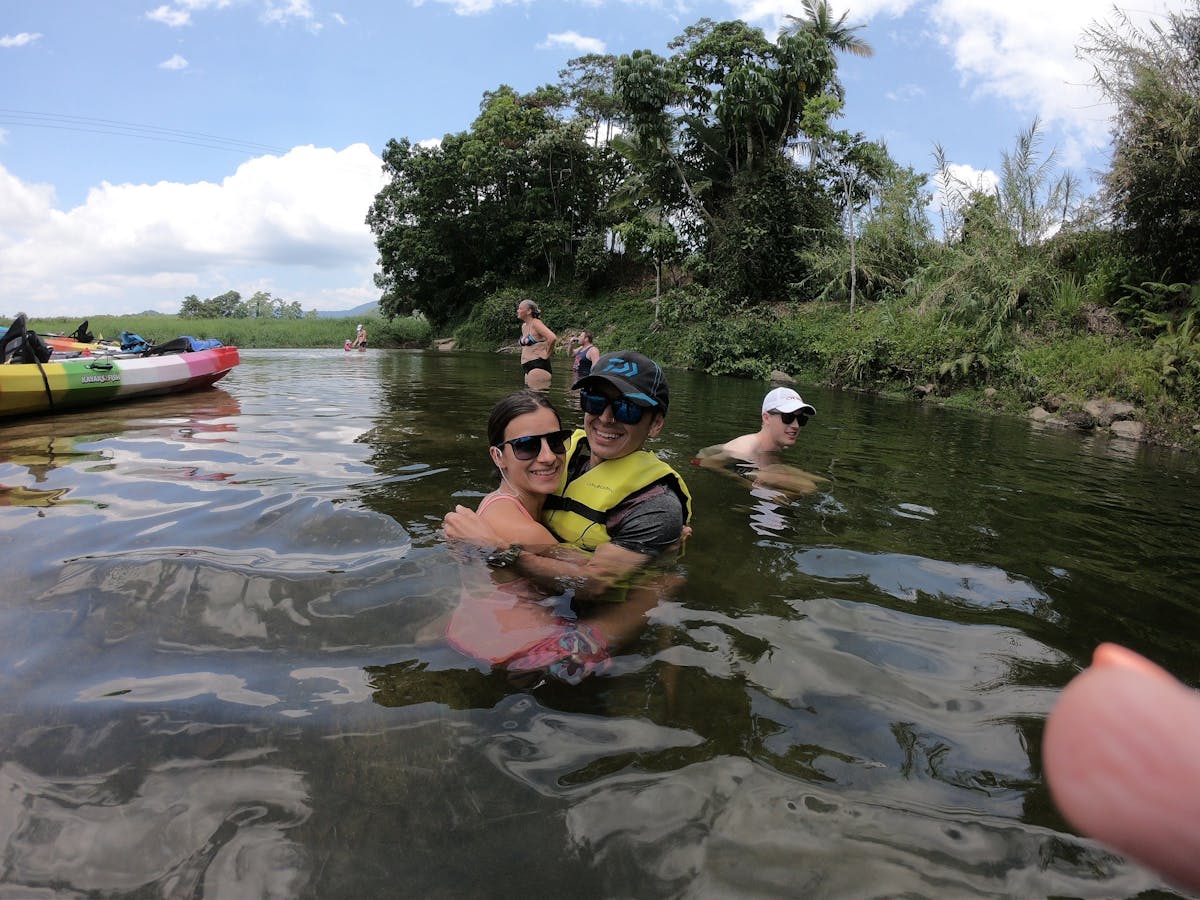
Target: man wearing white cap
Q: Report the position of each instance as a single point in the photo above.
(784, 413)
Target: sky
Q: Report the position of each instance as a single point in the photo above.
(153, 150)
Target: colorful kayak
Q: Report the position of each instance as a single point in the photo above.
(54, 385)
(67, 344)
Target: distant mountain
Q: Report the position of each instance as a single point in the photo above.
(366, 309)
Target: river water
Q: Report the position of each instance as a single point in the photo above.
(224, 675)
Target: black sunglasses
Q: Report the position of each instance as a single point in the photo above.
(789, 418)
(624, 411)
(528, 447)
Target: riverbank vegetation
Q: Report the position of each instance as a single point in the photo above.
(707, 208)
(248, 333)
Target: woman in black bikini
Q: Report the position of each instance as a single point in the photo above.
(537, 343)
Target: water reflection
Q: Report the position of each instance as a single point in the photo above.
(730, 828)
(222, 648)
(211, 827)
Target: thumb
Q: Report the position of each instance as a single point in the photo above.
(1122, 761)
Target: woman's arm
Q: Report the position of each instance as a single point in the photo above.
(510, 521)
(540, 329)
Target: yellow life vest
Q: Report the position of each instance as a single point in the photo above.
(578, 510)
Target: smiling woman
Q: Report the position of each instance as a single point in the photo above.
(528, 446)
(503, 621)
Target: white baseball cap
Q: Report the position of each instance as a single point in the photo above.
(786, 400)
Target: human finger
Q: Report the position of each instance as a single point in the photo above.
(1120, 755)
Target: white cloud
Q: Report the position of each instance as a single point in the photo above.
(175, 62)
(19, 40)
(905, 93)
(575, 41)
(964, 180)
(339, 18)
(274, 12)
(1023, 52)
(172, 18)
(21, 203)
(293, 223)
(774, 10)
(469, 7)
(280, 12)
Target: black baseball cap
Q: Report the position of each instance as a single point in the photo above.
(635, 375)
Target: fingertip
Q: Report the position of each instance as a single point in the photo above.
(1119, 759)
(1114, 656)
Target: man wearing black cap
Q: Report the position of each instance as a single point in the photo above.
(617, 501)
(614, 492)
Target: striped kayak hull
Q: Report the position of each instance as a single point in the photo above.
(73, 383)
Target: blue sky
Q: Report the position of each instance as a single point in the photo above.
(151, 150)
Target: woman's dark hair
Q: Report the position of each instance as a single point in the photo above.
(515, 404)
(534, 309)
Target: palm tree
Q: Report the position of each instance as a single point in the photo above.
(819, 20)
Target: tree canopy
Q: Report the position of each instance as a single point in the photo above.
(1153, 184)
(230, 305)
(690, 155)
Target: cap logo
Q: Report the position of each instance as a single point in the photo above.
(621, 367)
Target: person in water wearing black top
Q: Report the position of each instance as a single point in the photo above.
(537, 343)
(585, 356)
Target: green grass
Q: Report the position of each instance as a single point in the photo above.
(1091, 365)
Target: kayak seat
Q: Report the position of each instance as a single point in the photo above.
(20, 345)
(82, 334)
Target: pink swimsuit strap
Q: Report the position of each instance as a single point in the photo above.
(496, 495)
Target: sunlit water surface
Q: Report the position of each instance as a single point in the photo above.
(224, 674)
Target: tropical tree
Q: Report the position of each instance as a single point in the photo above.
(260, 306)
(651, 237)
(228, 305)
(507, 200)
(588, 83)
(818, 18)
(1153, 185)
(855, 166)
(1030, 201)
(996, 265)
(709, 130)
(895, 237)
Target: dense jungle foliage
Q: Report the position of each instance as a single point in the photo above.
(705, 206)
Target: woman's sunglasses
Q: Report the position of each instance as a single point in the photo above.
(528, 447)
(624, 411)
(789, 418)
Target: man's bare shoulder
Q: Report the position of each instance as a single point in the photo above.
(744, 447)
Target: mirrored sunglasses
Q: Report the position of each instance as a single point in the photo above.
(624, 411)
(528, 447)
